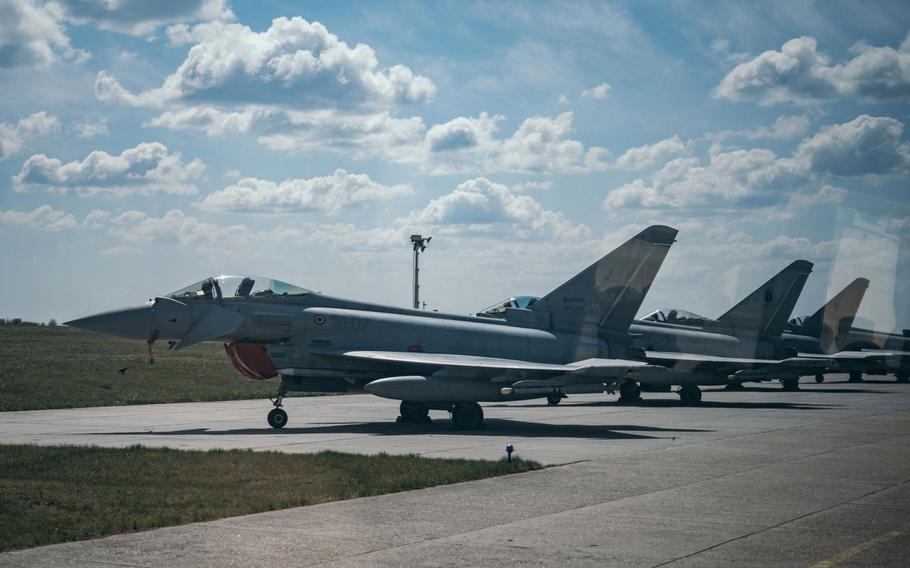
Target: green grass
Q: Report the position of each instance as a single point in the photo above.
(60, 367)
(63, 493)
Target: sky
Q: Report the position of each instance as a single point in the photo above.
(147, 145)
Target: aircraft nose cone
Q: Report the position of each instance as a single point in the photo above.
(129, 323)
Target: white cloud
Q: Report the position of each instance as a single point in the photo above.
(329, 194)
(209, 119)
(865, 145)
(359, 136)
(526, 186)
(649, 154)
(728, 176)
(294, 64)
(139, 17)
(481, 206)
(44, 217)
(541, 144)
(147, 168)
(784, 128)
(799, 73)
(599, 92)
(88, 130)
(14, 138)
(464, 133)
(174, 226)
(31, 35)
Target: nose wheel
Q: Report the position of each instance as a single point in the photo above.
(277, 416)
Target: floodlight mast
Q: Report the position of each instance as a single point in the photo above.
(419, 243)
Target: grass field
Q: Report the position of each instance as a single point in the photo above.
(58, 494)
(60, 367)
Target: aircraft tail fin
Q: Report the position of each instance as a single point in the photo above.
(836, 317)
(608, 294)
(765, 311)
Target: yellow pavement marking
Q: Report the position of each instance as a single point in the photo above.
(854, 550)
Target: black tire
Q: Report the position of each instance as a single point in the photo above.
(467, 416)
(553, 399)
(902, 377)
(690, 394)
(855, 377)
(629, 391)
(820, 378)
(278, 418)
(413, 411)
(790, 384)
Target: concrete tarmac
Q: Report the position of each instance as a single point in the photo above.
(753, 478)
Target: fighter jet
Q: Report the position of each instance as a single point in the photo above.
(575, 338)
(830, 331)
(744, 344)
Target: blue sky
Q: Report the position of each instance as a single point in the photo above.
(144, 146)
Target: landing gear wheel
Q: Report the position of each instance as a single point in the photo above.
(629, 391)
(278, 418)
(855, 377)
(902, 377)
(790, 384)
(467, 416)
(819, 378)
(412, 411)
(554, 398)
(690, 394)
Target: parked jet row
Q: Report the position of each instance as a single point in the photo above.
(580, 338)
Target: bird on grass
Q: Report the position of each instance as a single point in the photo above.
(122, 371)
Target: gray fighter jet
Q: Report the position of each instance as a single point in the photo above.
(744, 344)
(574, 339)
(830, 331)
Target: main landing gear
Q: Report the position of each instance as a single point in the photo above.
(554, 397)
(467, 416)
(689, 394)
(902, 377)
(790, 384)
(629, 391)
(855, 377)
(819, 378)
(413, 412)
(277, 416)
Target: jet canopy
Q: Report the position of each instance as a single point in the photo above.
(520, 302)
(219, 287)
(676, 316)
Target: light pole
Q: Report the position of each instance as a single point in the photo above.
(420, 244)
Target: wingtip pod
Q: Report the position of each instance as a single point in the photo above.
(658, 234)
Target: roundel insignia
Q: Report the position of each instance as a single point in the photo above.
(319, 319)
(769, 295)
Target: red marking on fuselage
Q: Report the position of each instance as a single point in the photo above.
(251, 360)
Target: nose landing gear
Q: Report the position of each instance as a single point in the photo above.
(277, 416)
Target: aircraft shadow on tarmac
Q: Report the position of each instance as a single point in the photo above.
(492, 427)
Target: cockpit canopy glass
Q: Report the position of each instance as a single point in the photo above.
(520, 302)
(676, 316)
(238, 287)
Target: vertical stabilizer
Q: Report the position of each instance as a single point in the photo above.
(765, 311)
(607, 294)
(836, 317)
